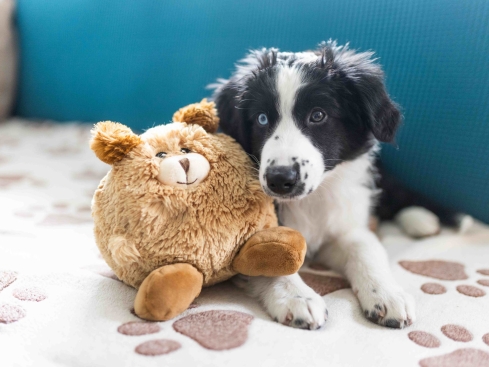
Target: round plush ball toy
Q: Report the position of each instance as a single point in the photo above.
(182, 208)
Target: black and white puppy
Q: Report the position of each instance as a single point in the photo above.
(313, 121)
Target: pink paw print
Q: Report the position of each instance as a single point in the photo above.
(464, 357)
(447, 271)
(215, 330)
(12, 312)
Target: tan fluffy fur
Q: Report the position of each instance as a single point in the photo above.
(112, 141)
(141, 224)
(203, 113)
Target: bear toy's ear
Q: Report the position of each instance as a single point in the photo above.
(203, 114)
(112, 141)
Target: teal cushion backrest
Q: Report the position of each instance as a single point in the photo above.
(138, 61)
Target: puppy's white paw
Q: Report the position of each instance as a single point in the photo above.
(297, 307)
(418, 222)
(388, 306)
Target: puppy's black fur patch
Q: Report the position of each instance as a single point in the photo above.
(348, 85)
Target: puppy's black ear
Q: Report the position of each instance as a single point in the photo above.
(232, 122)
(382, 115)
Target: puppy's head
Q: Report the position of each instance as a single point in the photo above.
(302, 114)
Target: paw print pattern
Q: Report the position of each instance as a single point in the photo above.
(465, 357)
(323, 284)
(7, 278)
(433, 288)
(57, 214)
(65, 214)
(214, 330)
(424, 339)
(11, 312)
(470, 291)
(157, 347)
(138, 328)
(445, 270)
(29, 294)
(484, 282)
(457, 333)
(7, 181)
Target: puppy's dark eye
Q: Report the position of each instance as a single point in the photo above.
(262, 119)
(185, 150)
(161, 154)
(317, 115)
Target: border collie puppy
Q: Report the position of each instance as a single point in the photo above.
(312, 120)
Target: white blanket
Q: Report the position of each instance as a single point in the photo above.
(60, 306)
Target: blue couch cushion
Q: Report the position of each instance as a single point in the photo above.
(138, 61)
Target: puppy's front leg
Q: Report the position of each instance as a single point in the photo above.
(287, 299)
(360, 256)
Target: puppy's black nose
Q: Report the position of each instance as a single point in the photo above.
(282, 179)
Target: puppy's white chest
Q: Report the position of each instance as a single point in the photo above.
(313, 216)
(340, 204)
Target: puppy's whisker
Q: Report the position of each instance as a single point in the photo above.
(254, 159)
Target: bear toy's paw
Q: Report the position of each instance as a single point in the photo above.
(271, 252)
(167, 292)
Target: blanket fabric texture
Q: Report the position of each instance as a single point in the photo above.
(61, 305)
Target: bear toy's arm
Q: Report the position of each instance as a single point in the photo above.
(271, 252)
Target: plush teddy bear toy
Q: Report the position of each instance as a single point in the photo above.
(182, 208)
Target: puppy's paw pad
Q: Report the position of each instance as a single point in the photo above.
(301, 312)
(394, 309)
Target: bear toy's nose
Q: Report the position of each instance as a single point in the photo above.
(185, 163)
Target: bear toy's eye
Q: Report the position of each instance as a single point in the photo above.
(185, 150)
(161, 154)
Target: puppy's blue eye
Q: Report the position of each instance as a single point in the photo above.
(262, 119)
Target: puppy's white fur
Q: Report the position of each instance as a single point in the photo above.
(418, 222)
